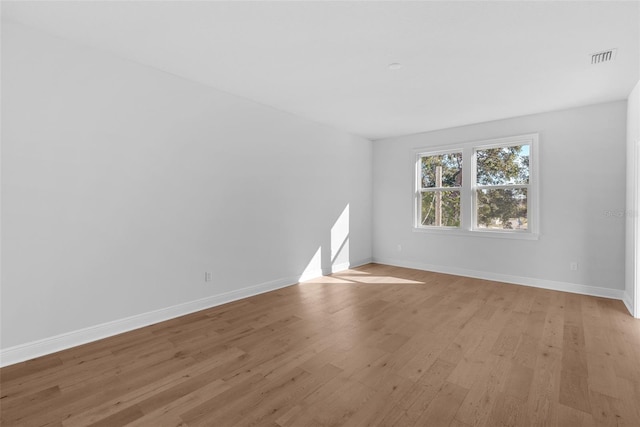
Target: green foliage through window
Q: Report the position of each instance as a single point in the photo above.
(502, 208)
(441, 208)
(503, 165)
(440, 175)
(444, 170)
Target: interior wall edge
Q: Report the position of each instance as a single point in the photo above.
(628, 302)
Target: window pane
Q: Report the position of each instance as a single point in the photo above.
(440, 208)
(502, 209)
(444, 170)
(503, 165)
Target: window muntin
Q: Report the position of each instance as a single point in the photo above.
(440, 181)
(483, 188)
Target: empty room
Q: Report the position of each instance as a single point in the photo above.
(320, 213)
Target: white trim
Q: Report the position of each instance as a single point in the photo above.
(506, 278)
(632, 225)
(437, 150)
(501, 187)
(635, 214)
(30, 350)
(340, 267)
(481, 232)
(308, 275)
(626, 299)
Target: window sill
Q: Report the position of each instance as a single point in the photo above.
(518, 235)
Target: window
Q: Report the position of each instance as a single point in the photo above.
(502, 183)
(440, 183)
(482, 187)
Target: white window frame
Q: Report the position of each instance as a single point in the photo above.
(468, 205)
(420, 190)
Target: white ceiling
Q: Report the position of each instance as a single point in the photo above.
(463, 62)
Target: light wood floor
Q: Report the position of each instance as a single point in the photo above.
(377, 345)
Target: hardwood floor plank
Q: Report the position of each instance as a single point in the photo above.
(169, 414)
(444, 406)
(340, 399)
(271, 408)
(200, 413)
(519, 381)
(544, 394)
(508, 411)
(479, 401)
(418, 398)
(567, 416)
(605, 409)
(574, 390)
(388, 395)
(629, 407)
(120, 418)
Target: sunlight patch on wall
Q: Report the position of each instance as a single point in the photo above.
(340, 242)
(314, 268)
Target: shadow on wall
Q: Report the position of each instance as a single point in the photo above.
(335, 255)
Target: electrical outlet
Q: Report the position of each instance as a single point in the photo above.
(573, 266)
(399, 248)
(207, 276)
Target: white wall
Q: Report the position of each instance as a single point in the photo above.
(582, 198)
(632, 251)
(122, 185)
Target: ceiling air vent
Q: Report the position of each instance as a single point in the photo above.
(604, 56)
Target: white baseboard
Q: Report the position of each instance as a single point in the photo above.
(348, 265)
(30, 350)
(312, 274)
(336, 268)
(629, 304)
(518, 280)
